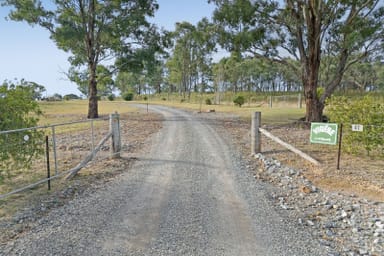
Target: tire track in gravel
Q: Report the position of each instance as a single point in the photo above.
(186, 196)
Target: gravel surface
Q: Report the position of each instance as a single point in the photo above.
(190, 194)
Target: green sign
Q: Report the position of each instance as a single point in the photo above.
(324, 133)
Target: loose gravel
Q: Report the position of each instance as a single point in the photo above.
(344, 223)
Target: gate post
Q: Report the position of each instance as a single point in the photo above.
(255, 134)
(114, 126)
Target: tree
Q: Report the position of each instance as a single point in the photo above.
(191, 60)
(36, 89)
(305, 31)
(130, 82)
(105, 83)
(92, 31)
(18, 109)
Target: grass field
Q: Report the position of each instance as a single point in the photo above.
(275, 115)
(74, 110)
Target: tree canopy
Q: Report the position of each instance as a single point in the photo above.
(306, 31)
(92, 31)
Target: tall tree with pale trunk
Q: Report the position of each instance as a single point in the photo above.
(308, 30)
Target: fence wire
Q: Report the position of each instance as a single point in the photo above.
(23, 158)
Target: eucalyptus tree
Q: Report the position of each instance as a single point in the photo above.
(92, 31)
(130, 82)
(305, 31)
(361, 77)
(105, 83)
(182, 65)
(379, 70)
(190, 62)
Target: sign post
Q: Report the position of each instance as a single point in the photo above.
(327, 133)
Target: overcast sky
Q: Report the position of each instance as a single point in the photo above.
(27, 52)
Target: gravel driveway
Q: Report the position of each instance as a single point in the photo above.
(188, 195)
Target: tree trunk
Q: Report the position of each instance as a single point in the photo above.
(314, 108)
(311, 66)
(93, 111)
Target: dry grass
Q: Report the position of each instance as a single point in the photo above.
(359, 175)
(74, 110)
(133, 122)
(279, 114)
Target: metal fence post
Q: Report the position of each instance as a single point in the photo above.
(54, 149)
(93, 138)
(255, 134)
(114, 122)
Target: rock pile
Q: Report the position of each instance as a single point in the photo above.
(347, 224)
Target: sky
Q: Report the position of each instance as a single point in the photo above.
(28, 53)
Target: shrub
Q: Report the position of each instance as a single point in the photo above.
(18, 110)
(208, 101)
(239, 101)
(71, 97)
(128, 96)
(163, 99)
(364, 111)
(111, 97)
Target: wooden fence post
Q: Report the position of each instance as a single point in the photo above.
(300, 102)
(255, 134)
(114, 124)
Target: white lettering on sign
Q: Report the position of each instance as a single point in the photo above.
(357, 127)
(325, 129)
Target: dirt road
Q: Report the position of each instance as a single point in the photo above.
(188, 195)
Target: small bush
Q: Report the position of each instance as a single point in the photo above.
(364, 111)
(182, 100)
(111, 97)
(163, 99)
(208, 101)
(145, 98)
(128, 96)
(239, 101)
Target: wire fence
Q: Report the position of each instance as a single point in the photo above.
(68, 144)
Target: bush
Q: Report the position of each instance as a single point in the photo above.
(364, 111)
(208, 101)
(128, 96)
(71, 97)
(111, 97)
(18, 110)
(239, 101)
